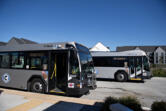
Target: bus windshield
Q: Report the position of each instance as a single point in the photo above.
(146, 64)
(86, 62)
(74, 65)
(85, 59)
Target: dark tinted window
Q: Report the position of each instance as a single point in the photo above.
(82, 48)
(110, 61)
(132, 64)
(37, 60)
(4, 60)
(74, 65)
(146, 64)
(86, 63)
(17, 60)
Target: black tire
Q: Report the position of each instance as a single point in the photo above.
(121, 76)
(37, 86)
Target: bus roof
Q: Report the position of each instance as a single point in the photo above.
(124, 53)
(36, 47)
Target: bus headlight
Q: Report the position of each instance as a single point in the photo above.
(79, 85)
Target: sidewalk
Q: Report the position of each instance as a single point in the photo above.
(14, 100)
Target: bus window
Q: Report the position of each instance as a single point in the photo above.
(146, 64)
(38, 61)
(138, 63)
(100, 61)
(17, 60)
(110, 61)
(131, 65)
(45, 61)
(119, 61)
(74, 65)
(86, 62)
(4, 60)
(35, 63)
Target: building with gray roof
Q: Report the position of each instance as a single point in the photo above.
(2, 43)
(17, 41)
(157, 54)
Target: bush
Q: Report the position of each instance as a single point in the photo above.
(129, 102)
(158, 106)
(159, 72)
(152, 65)
(107, 102)
(158, 65)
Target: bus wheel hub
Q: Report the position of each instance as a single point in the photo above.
(120, 76)
(37, 86)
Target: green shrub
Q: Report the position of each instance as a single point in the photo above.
(107, 102)
(158, 106)
(158, 65)
(130, 102)
(159, 72)
(152, 65)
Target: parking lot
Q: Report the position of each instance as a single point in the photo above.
(147, 92)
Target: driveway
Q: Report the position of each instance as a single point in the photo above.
(153, 89)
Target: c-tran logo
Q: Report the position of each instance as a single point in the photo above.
(6, 78)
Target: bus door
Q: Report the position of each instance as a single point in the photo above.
(135, 66)
(58, 73)
(132, 67)
(138, 66)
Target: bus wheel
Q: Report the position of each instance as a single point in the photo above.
(37, 86)
(121, 77)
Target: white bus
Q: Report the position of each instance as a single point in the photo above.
(122, 66)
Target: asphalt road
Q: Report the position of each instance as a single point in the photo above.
(153, 89)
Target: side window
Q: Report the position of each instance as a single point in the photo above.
(17, 60)
(96, 61)
(37, 61)
(4, 60)
(101, 61)
(110, 61)
(120, 62)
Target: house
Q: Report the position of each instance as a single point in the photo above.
(15, 40)
(99, 47)
(2, 43)
(157, 54)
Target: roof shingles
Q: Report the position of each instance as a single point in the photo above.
(144, 48)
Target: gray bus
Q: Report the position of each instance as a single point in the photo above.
(64, 68)
(122, 66)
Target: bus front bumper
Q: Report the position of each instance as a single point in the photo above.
(77, 91)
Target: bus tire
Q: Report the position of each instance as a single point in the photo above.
(37, 86)
(121, 76)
